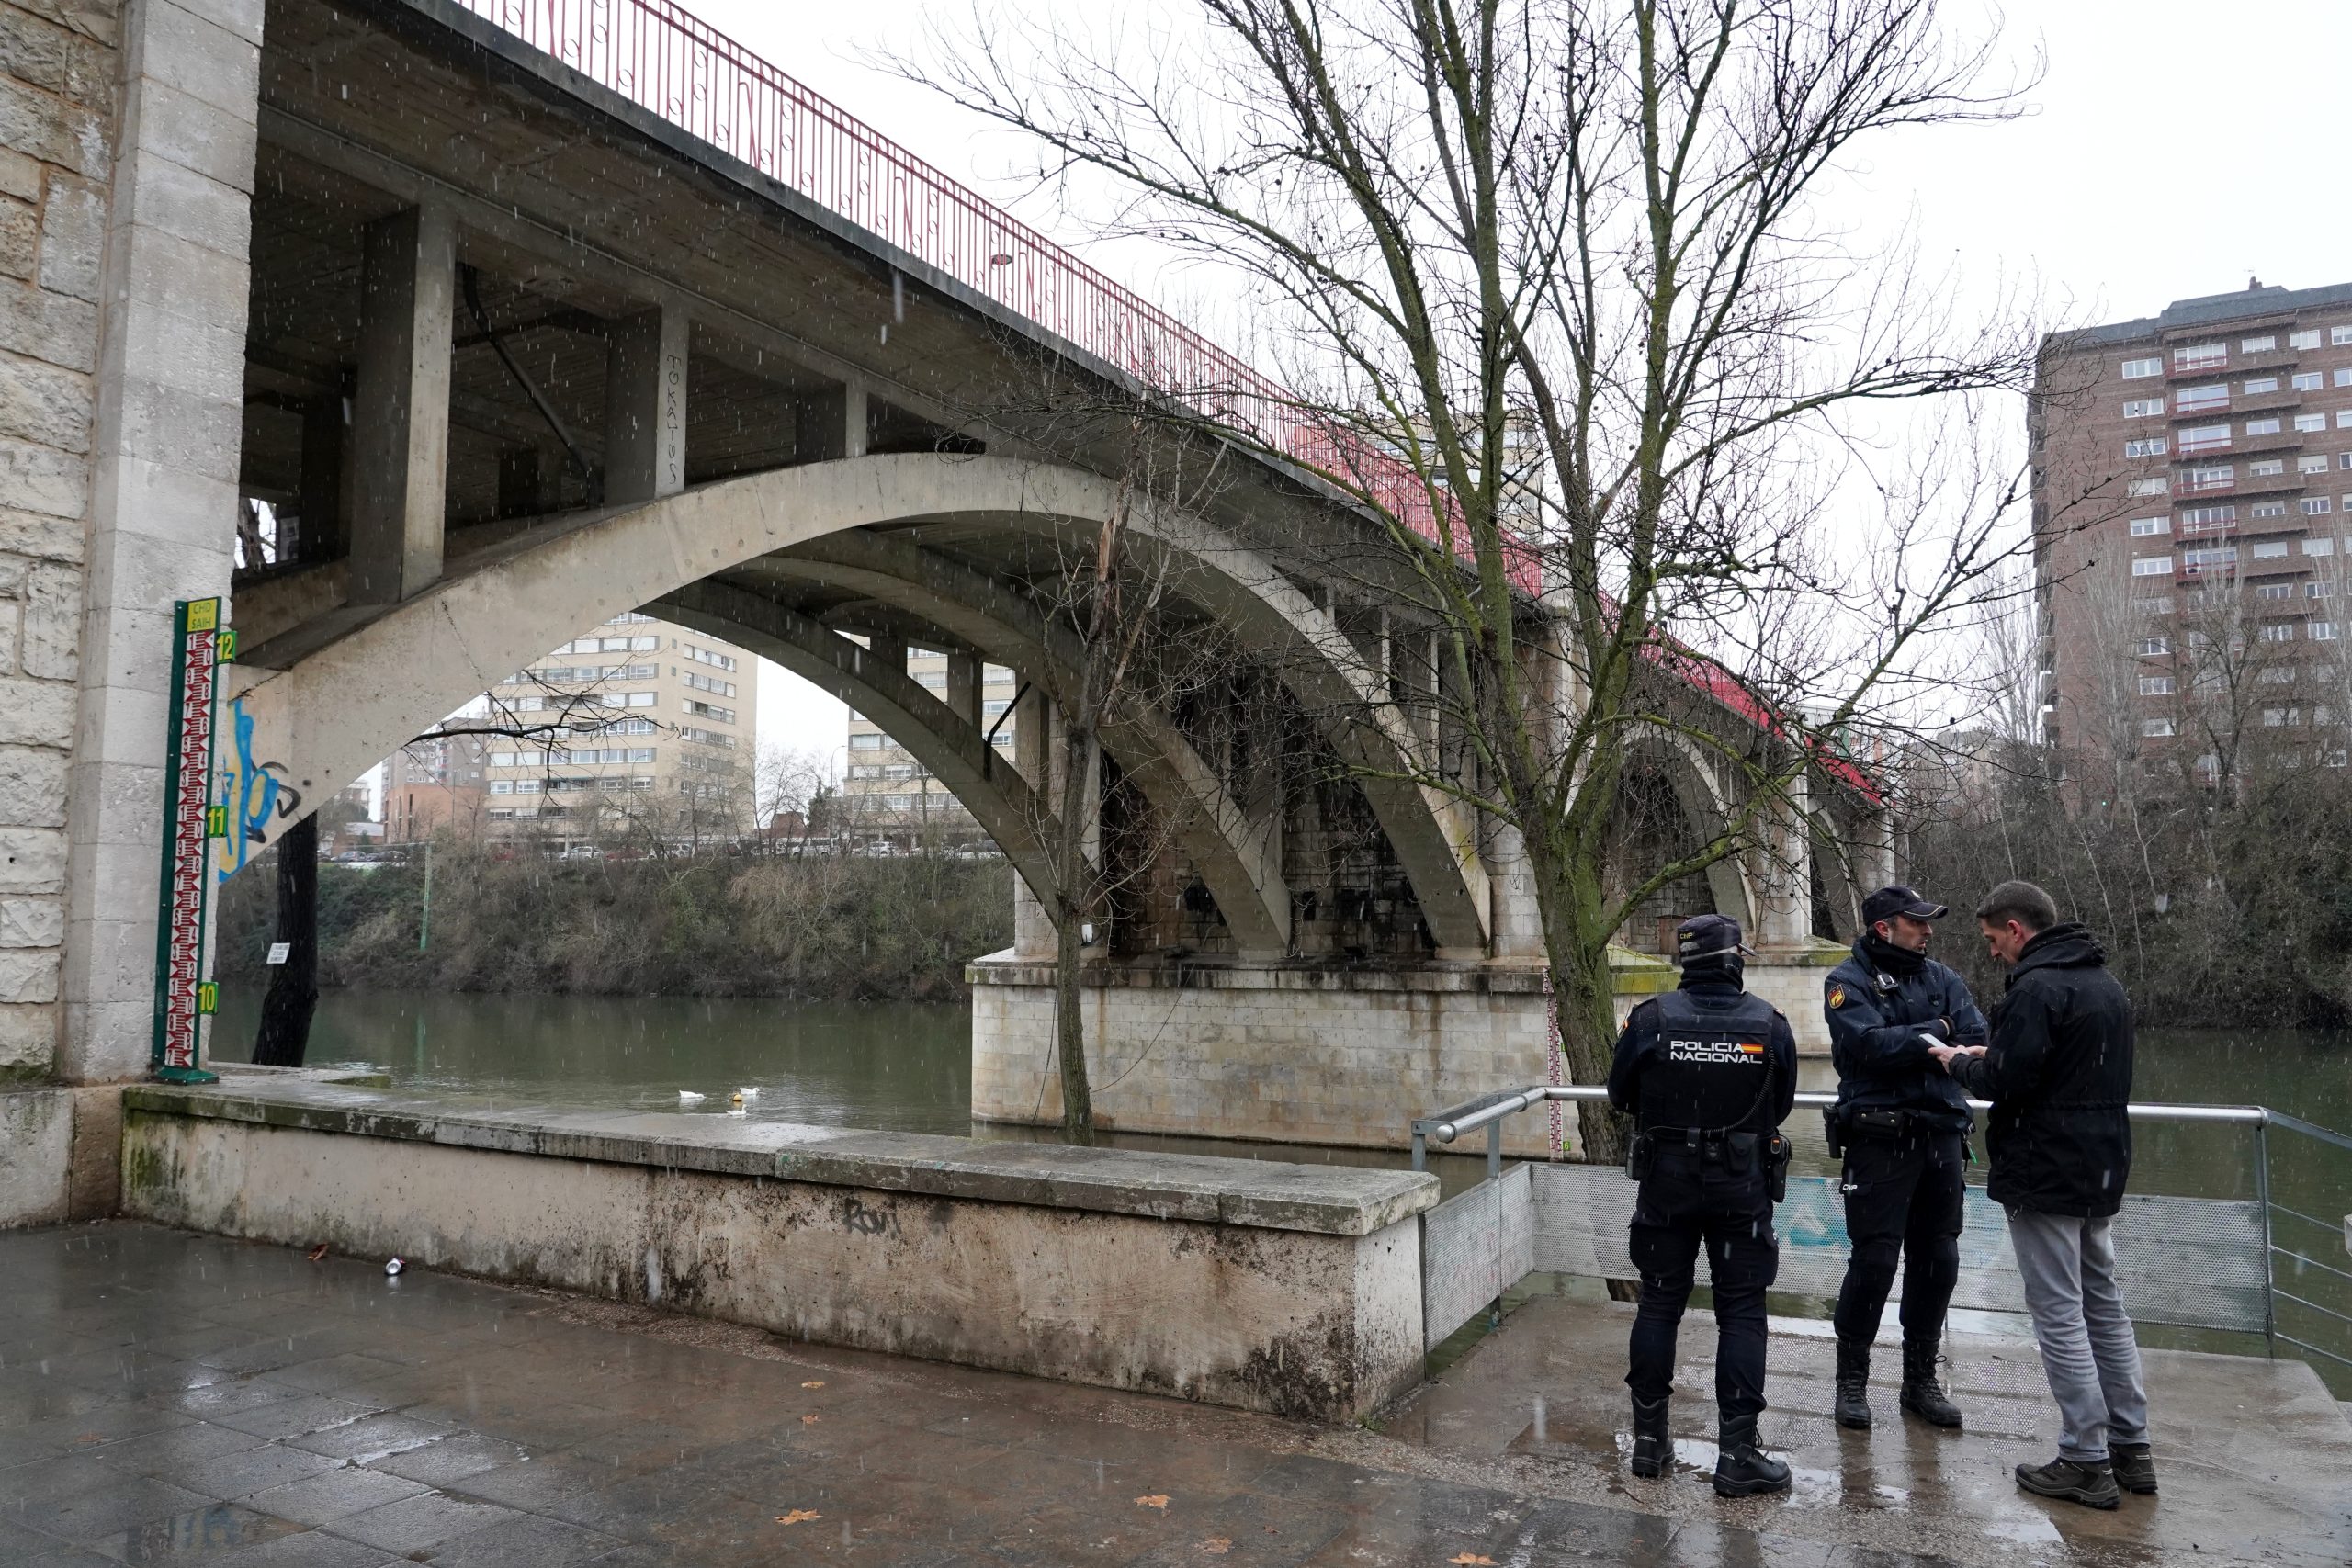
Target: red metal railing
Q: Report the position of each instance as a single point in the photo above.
(664, 59)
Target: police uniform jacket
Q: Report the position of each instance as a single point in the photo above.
(1713, 1075)
(1874, 1023)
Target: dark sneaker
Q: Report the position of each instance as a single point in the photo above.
(2092, 1485)
(2135, 1466)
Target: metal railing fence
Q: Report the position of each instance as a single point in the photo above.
(2248, 1266)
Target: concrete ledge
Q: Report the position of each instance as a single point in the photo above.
(1294, 1290)
(1322, 1199)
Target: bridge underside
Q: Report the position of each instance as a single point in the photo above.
(518, 356)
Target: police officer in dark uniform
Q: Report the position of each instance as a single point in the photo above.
(1708, 1073)
(1902, 1127)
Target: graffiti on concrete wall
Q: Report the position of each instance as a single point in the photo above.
(259, 796)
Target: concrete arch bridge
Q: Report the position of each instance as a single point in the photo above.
(510, 351)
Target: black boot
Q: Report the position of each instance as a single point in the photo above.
(2134, 1466)
(1853, 1404)
(1743, 1470)
(1652, 1445)
(1922, 1395)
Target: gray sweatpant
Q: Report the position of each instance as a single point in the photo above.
(2087, 1348)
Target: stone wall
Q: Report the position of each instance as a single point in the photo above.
(1301, 1052)
(59, 89)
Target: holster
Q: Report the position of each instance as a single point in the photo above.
(1778, 1153)
(1641, 1153)
(1833, 1131)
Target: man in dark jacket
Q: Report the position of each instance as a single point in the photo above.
(1902, 1124)
(1709, 1073)
(2059, 1075)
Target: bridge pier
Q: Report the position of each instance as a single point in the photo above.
(400, 407)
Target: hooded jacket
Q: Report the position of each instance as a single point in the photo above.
(2059, 1075)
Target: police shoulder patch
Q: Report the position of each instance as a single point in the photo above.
(1836, 996)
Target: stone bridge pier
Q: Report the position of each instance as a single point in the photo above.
(425, 349)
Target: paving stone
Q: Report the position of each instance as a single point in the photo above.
(233, 1475)
(418, 1523)
(198, 1535)
(92, 1515)
(333, 1495)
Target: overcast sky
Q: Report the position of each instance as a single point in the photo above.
(2174, 149)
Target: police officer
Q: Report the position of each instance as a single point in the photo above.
(1708, 1073)
(1901, 1125)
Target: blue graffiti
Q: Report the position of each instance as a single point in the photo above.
(257, 796)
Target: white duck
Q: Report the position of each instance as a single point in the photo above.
(688, 1097)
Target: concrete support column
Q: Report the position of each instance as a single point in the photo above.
(323, 508)
(1783, 876)
(1873, 851)
(832, 424)
(1033, 932)
(400, 408)
(645, 407)
(169, 283)
(963, 692)
(1517, 923)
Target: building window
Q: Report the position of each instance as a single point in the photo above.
(2343, 419)
(2319, 591)
(2156, 727)
(2200, 356)
(2153, 606)
(2190, 399)
(2269, 550)
(2143, 408)
(2218, 558)
(2267, 468)
(2152, 566)
(2306, 380)
(2319, 546)
(2153, 646)
(2311, 463)
(2314, 506)
(2321, 631)
(2156, 686)
(2202, 438)
(2278, 631)
(865, 743)
(2308, 423)
(2344, 460)
(2142, 527)
(2158, 486)
(2277, 675)
(704, 656)
(2257, 385)
(2268, 509)
(2273, 591)
(2257, 344)
(2148, 446)
(2279, 719)
(2304, 340)
(2140, 369)
(2260, 427)
(2198, 480)
(2209, 519)
(502, 786)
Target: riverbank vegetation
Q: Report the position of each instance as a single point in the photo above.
(735, 923)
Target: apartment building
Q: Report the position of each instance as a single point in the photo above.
(2193, 490)
(436, 782)
(884, 788)
(637, 725)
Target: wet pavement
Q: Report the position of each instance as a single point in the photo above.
(2254, 1456)
(168, 1397)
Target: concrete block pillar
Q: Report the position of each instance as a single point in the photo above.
(401, 407)
(324, 507)
(832, 424)
(963, 692)
(645, 407)
(1873, 851)
(1517, 923)
(1783, 874)
(157, 521)
(1033, 932)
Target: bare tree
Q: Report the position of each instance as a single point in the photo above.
(1552, 273)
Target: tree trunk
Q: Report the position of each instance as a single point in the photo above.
(293, 996)
(1069, 1025)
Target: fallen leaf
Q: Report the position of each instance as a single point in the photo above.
(799, 1516)
(1157, 1500)
(808, 1420)
(818, 1383)
(317, 1252)
(1472, 1560)
(1217, 1545)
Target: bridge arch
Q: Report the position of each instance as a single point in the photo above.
(319, 704)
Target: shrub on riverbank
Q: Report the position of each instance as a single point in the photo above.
(820, 926)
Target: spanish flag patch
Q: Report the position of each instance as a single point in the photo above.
(1836, 996)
